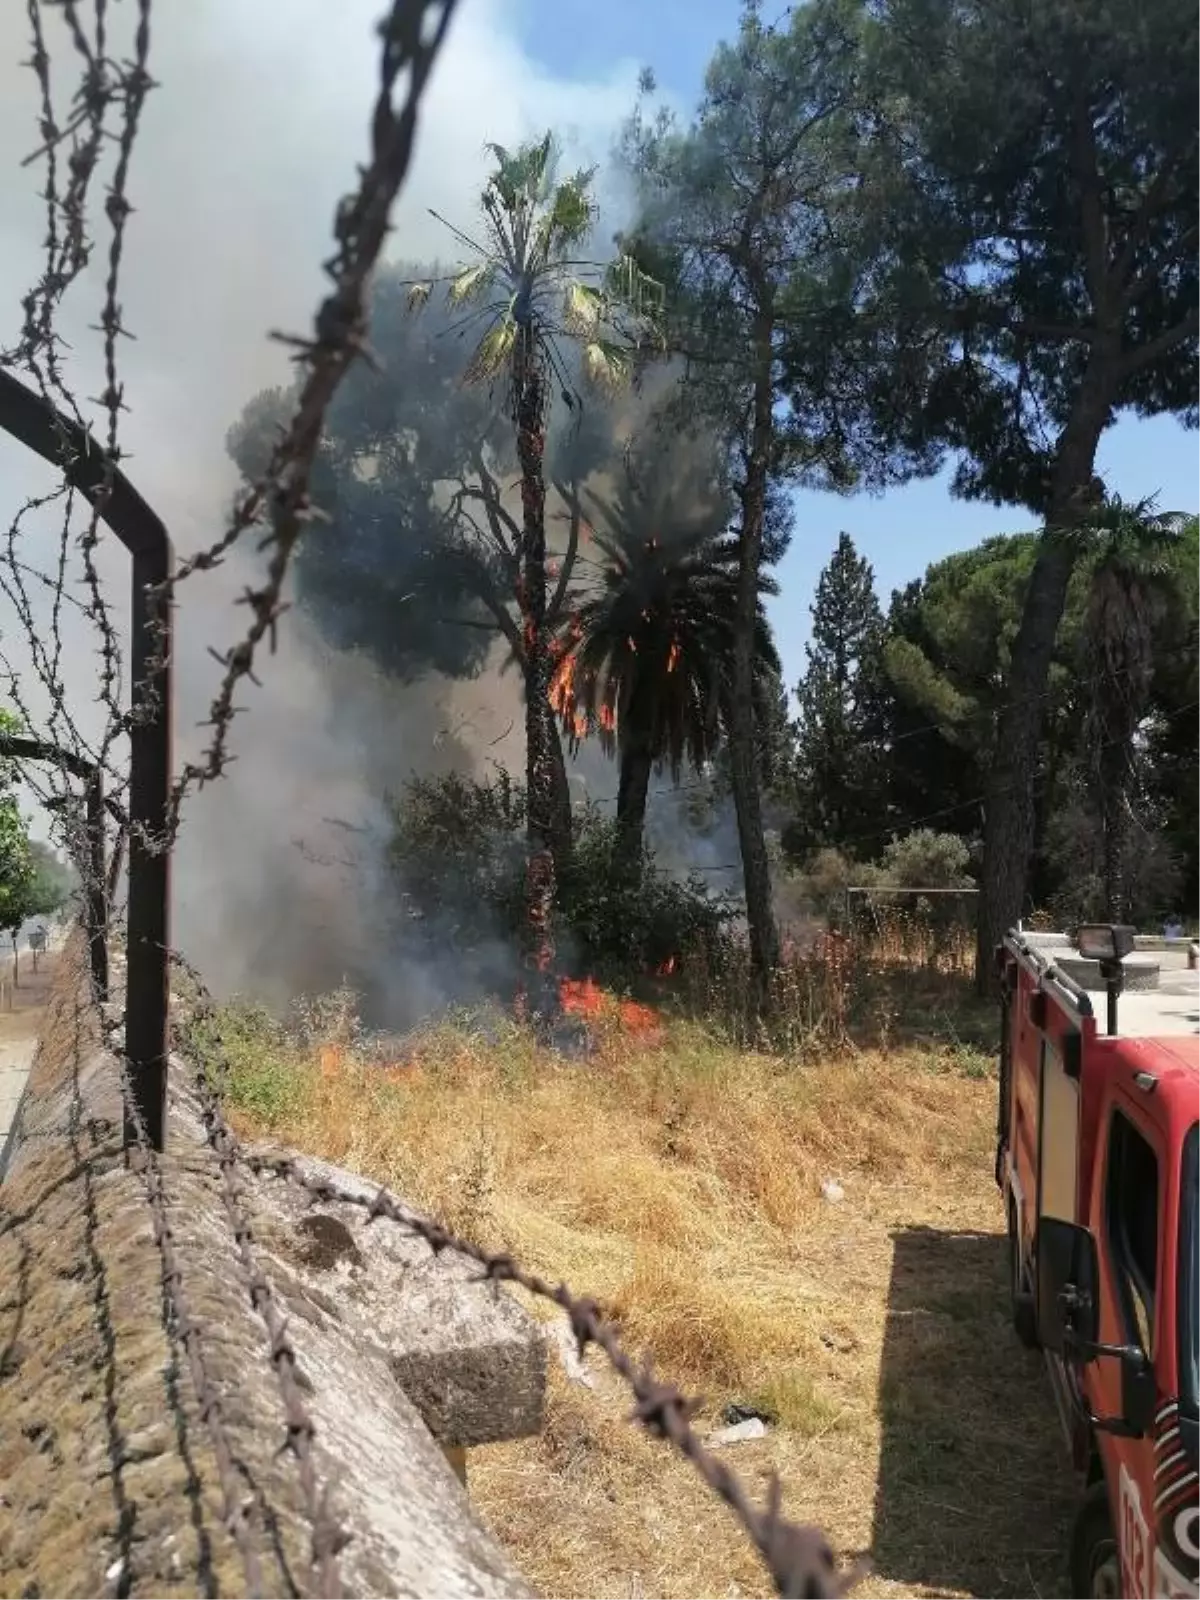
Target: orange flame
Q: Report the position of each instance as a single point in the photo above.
(667, 967)
(401, 1073)
(638, 1019)
(332, 1058)
(583, 997)
(673, 656)
(608, 718)
(562, 686)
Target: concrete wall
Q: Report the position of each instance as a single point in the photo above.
(109, 1478)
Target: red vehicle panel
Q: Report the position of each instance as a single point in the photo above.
(1096, 1160)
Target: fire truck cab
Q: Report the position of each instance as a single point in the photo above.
(1097, 1164)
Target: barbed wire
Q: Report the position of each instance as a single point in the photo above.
(328, 1538)
(412, 33)
(798, 1558)
(181, 1324)
(104, 116)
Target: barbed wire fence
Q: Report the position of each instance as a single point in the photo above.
(85, 149)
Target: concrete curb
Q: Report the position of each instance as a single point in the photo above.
(111, 1483)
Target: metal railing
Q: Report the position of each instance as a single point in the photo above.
(42, 428)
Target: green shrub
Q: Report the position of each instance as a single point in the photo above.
(458, 853)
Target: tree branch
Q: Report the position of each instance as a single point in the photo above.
(1093, 223)
(1147, 354)
(1150, 207)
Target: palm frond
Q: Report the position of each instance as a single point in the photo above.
(606, 365)
(493, 351)
(583, 309)
(471, 283)
(627, 283)
(569, 218)
(520, 176)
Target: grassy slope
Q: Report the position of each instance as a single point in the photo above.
(679, 1181)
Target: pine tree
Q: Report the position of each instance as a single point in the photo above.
(840, 736)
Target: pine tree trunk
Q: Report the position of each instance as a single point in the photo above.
(1008, 827)
(633, 790)
(743, 745)
(1116, 687)
(539, 729)
(1114, 804)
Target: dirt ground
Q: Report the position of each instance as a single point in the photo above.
(934, 1452)
(681, 1184)
(19, 1024)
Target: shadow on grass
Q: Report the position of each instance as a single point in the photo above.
(975, 1492)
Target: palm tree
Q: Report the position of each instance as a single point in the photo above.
(1132, 545)
(530, 292)
(647, 661)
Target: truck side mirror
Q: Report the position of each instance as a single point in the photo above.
(1068, 1316)
(1139, 1398)
(1068, 1322)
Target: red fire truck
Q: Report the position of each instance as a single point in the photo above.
(1097, 1163)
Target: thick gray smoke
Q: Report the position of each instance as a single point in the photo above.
(260, 116)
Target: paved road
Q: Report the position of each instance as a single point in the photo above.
(18, 1038)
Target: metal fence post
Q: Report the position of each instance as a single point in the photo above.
(147, 915)
(35, 423)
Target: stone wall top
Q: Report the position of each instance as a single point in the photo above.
(110, 1480)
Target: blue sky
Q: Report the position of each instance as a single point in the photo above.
(901, 532)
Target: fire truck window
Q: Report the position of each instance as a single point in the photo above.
(1132, 1208)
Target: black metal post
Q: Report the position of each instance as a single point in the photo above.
(58, 440)
(97, 892)
(1113, 973)
(147, 915)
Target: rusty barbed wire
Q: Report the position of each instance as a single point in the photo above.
(798, 1557)
(328, 1537)
(187, 1331)
(412, 34)
(104, 115)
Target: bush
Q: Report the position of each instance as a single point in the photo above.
(458, 852)
(926, 860)
(823, 882)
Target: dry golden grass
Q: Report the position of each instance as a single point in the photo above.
(679, 1181)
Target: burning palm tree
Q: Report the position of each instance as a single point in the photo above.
(647, 661)
(530, 293)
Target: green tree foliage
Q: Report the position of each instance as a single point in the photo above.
(947, 658)
(18, 867)
(458, 856)
(948, 650)
(525, 289)
(1131, 572)
(419, 565)
(394, 564)
(1028, 205)
(54, 881)
(734, 208)
(840, 756)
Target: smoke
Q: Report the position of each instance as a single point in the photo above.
(260, 116)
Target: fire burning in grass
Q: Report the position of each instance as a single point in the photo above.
(584, 998)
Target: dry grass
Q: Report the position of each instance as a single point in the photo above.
(679, 1181)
